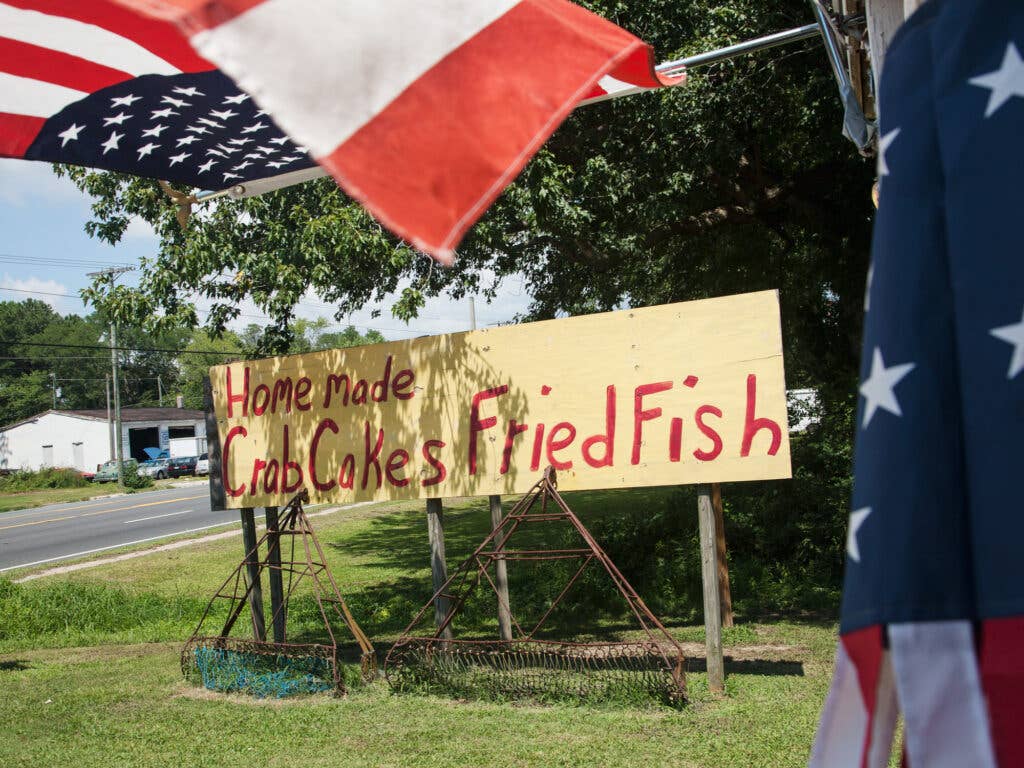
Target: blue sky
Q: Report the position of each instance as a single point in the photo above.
(44, 250)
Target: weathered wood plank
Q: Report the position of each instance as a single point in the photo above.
(438, 565)
(724, 588)
(709, 579)
(253, 571)
(501, 577)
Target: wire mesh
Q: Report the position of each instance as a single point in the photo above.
(534, 669)
(264, 670)
(525, 666)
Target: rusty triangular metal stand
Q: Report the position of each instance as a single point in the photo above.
(527, 665)
(305, 562)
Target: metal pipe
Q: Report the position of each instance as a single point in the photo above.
(259, 186)
(731, 51)
(835, 57)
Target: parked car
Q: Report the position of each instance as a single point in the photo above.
(155, 468)
(203, 465)
(183, 465)
(107, 472)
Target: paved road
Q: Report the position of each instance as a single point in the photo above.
(64, 531)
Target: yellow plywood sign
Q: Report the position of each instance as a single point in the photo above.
(682, 393)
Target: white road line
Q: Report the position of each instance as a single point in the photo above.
(157, 517)
(114, 546)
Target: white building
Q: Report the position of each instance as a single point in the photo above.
(84, 439)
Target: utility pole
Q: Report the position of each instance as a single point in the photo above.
(110, 423)
(112, 273)
(160, 390)
(53, 378)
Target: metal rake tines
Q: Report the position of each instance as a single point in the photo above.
(596, 672)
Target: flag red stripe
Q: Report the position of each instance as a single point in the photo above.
(1002, 680)
(17, 132)
(864, 648)
(159, 37)
(429, 179)
(57, 67)
(194, 16)
(637, 69)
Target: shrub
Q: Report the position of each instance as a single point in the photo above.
(132, 479)
(49, 477)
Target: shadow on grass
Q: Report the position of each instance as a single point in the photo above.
(15, 665)
(764, 667)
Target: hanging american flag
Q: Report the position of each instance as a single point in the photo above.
(423, 111)
(932, 623)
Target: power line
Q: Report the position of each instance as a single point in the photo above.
(121, 349)
(41, 293)
(250, 315)
(10, 258)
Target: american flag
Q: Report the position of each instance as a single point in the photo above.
(129, 96)
(932, 622)
(423, 110)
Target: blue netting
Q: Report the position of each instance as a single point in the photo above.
(262, 675)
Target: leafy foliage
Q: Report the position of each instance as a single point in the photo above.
(49, 477)
(739, 181)
(132, 480)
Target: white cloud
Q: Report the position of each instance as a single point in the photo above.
(49, 291)
(140, 229)
(23, 183)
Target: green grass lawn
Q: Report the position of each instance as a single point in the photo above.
(10, 502)
(90, 674)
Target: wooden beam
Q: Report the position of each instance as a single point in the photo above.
(884, 17)
(218, 499)
(252, 566)
(438, 565)
(277, 614)
(501, 577)
(709, 579)
(724, 589)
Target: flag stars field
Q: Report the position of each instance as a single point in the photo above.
(1003, 83)
(879, 388)
(857, 518)
(1013, 334)
(71, 134)
(883, 146)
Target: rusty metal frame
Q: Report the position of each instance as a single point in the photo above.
(517, 666)
(311, 565)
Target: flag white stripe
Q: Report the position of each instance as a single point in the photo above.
(940, 695)
(330, 97)
(24, 96)
(844, 720)
(77, 38)
(883, 726)
(614, 89)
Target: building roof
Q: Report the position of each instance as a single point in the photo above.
(127, 415)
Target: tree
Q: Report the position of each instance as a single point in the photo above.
(202, 352)
(63, 361)
(739, 181)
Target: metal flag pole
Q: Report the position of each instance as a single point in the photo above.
(260, 186)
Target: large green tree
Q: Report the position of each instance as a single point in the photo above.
(738, 181)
